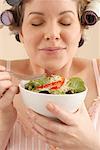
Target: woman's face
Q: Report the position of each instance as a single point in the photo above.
(51, 32)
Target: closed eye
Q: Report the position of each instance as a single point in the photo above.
(65, 24)
(39, 24)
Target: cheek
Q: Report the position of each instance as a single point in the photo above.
(31, 36)
(72, 37)
(31, 41)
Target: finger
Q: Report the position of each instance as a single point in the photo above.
(4, 85)
(32, 116)
(25, 122)
(7, 98)
(2, 68)
(48, 141)
(64, 116)
(44, 132)
(46, 137)
(50, 125)
(42, 121)
(5, 76)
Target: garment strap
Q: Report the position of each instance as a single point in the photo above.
(8, 65)
(97, 75)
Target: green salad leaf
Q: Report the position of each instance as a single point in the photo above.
(32, 84)
(76, 85)
(73, 85)
(41, 81)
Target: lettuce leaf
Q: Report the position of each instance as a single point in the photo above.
(76, 85)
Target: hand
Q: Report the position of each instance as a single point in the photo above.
(72, 131)
(7, 90)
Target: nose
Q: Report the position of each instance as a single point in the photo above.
(52, 32)
(51, 36)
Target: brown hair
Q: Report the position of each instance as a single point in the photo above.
(18, 13)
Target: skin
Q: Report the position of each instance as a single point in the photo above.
(52, 26)
(71, 127)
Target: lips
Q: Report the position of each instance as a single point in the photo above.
(52, 48)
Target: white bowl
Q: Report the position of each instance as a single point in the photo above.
(38, 101)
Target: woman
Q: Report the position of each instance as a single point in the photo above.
(51, 36)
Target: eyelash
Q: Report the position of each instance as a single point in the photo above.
(66, 24)
(37, 24)
(42, 24)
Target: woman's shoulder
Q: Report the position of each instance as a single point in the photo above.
(85, 66)
(85, 62)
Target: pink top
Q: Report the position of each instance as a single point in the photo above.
(19, 141)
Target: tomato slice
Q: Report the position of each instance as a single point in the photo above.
(54, 88)
(52, 85)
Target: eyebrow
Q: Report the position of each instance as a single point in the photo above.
(38, 13)
(68, 11)
(42, 14)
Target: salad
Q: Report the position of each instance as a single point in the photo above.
(56, 84)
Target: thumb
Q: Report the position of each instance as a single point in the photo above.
(62, 115)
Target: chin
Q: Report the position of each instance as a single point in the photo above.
(54, 66)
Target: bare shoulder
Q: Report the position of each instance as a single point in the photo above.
(85, 67)
(89, 78)
(86, 63)
(81, 59)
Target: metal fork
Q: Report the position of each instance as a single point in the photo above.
(24, 77)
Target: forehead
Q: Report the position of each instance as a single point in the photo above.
(47, 5)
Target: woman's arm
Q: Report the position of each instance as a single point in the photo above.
(7, 120)
(8, 113)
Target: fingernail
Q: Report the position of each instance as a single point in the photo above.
(50, 107)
